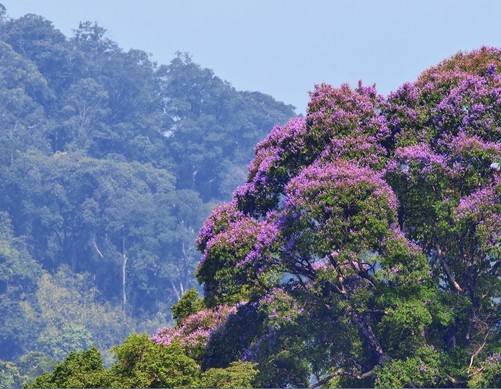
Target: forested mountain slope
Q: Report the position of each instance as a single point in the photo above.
(109, 163)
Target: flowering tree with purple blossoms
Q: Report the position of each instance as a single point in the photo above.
(366, 240)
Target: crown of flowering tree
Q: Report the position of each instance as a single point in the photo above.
(194, 331)
(367, 238)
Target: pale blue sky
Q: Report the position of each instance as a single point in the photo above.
(284, 47)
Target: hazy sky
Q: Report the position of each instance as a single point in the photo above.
(284, 47)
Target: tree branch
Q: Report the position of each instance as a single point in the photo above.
(450, 276)
(358, 376)
(368, 334)
(478, 351)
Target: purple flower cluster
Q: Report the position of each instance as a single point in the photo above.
(280, 307)
(345, 112)
(483, 209)
(281, 144)
(237, 239)
(268, 234)
(335, 180)
(275, 156)
(285, 137)
(491, 70)
(468, 145)
(493, 360)
(342, 123)
(471, 106)
(477, 203)
(196, 328)
(220, 218)
(364, 149)
(461, 65)
(420, 156)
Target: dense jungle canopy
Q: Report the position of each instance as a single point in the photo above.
(361, 248)
(362, 251)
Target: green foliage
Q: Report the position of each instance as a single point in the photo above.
(34, 364)
(18, 280)
(92, 136)
(283, 366)
(141, 363)
(487, 373)
(9, 375)
(226, 123)
(237, 375)
(79, 370)
(71, 316)
(424, 369)
(363, 250)
(59, 342)
(367, 236)
(187, 305)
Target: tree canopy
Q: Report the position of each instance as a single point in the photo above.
(366, 240)
(363, 250)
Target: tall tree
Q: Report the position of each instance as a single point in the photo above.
(213, 127)
(367, 235)
(36, 39)
(91, 137)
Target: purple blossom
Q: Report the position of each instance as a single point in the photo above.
(317, 178)
(267, 235)
(477, 202)
(466, 143)
(280, 307)
(196, 328)
(420, 153)
(218, 220)
(472, 106)
(491, 70)
(493, 359)
(320, 200)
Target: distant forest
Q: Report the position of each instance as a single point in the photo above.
(109, 163)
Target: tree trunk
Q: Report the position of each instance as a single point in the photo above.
(124, 274)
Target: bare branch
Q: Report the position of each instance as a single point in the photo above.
(477, 352)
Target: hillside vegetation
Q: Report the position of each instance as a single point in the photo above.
(109, 163)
